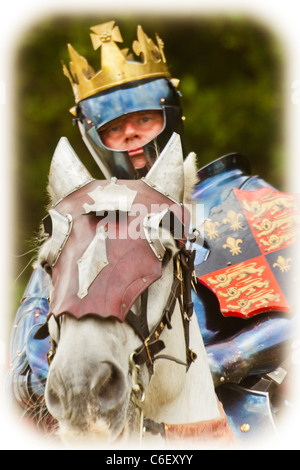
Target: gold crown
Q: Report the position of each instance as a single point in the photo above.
(118, 66)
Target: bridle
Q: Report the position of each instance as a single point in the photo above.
(152, 345)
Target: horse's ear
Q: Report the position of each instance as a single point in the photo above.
(67, 172)
(190, 176)
(167, 173)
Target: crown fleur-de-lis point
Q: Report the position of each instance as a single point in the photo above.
(161, 46)
(79, 67)
(146, 48)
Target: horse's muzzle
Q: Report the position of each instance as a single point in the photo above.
(79, 400)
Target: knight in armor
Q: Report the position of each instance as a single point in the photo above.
(126, 114)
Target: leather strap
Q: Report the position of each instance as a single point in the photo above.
(187, 263)
(181, 291)
(201, 431)
(152, 345)
(139, 322)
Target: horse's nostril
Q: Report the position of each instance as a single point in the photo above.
(56, 396)
(55, 405)
(69, 397)
(108, 385)
(101, 377)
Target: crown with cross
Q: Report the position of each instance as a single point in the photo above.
(118, 66)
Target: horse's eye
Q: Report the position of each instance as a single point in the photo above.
(167, 257)
(47, 268)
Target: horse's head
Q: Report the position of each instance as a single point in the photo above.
(112, 252)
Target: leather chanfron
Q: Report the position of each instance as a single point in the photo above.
(131, 265)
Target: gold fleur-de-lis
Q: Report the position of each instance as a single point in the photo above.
(233, 219)
(233, 245)
(283, 264)
(210, 228)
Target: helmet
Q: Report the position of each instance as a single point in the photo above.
(94, 112)
(122, 87)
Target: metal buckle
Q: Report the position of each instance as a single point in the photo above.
(147, 349)
(194, 282)
(179, 275)
(51, 353)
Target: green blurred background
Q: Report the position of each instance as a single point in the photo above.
(231, 71)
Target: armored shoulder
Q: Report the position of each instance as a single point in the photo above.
(225, 164)
(219, 177)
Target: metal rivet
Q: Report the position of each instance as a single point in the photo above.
(245, 427)
(144, 280)
(222, 379)
(123, 305)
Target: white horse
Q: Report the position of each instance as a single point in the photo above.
(105, 383)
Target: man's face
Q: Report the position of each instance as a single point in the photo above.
(131, 132)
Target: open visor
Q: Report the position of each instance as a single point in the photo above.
(105, 107)
(95, 112)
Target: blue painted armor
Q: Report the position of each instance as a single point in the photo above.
(216, 182)
(239, 351)
(28, 356)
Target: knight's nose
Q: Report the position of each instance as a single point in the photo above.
(130, 131)
(73, 396)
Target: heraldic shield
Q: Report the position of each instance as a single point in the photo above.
(252, 260)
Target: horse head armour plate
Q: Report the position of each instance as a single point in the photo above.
(116, 222)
